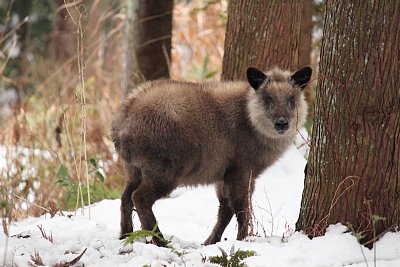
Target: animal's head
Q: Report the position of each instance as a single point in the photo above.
(276, 103)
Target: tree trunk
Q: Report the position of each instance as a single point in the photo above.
(306, 29)
(153, 38)
(129, 61)
(21, 80)
(353, 173)
(262, 34)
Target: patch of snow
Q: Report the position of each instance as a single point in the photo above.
(187, 217)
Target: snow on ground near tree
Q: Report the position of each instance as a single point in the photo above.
(188, 217)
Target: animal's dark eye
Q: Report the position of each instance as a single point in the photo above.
(292, 102)
(269, 102)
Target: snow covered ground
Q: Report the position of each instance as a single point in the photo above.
(187, 217)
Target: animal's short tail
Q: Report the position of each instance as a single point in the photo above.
(122, 145)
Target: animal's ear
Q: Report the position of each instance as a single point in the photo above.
(301, 77)
(255, 77)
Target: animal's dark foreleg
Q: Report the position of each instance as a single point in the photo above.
(133, 179)
(225, 214)
(240, 201)
(243, 216)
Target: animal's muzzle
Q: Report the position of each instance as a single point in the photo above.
(281, 125)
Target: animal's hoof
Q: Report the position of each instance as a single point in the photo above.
(209, 241)
(159, 242)
(122, 236)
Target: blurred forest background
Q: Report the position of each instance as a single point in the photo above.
(65, 66)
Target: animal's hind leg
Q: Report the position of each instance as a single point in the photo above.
(225, 214)
(133, 179)
(152, 188)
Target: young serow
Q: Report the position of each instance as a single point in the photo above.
(174, 134)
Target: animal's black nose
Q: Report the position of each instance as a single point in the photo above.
(281, 125)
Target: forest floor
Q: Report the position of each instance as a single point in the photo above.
(186, 218)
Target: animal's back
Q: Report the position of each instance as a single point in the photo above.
(185, 127)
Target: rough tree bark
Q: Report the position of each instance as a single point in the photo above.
(306, 28)
(129, 59)
(353, 173)
(262, 34)
(153, 38)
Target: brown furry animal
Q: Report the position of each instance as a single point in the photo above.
(174, 134)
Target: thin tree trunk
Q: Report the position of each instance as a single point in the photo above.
(128, 57)
(24, 11)
(262, 34)
(353, 173)
(153, 38)
(306, 28)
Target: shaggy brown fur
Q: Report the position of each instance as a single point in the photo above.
(174, 134)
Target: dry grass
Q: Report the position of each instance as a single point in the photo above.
(45, 235)
(36, 260)
(198, 37)
(45, 130)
